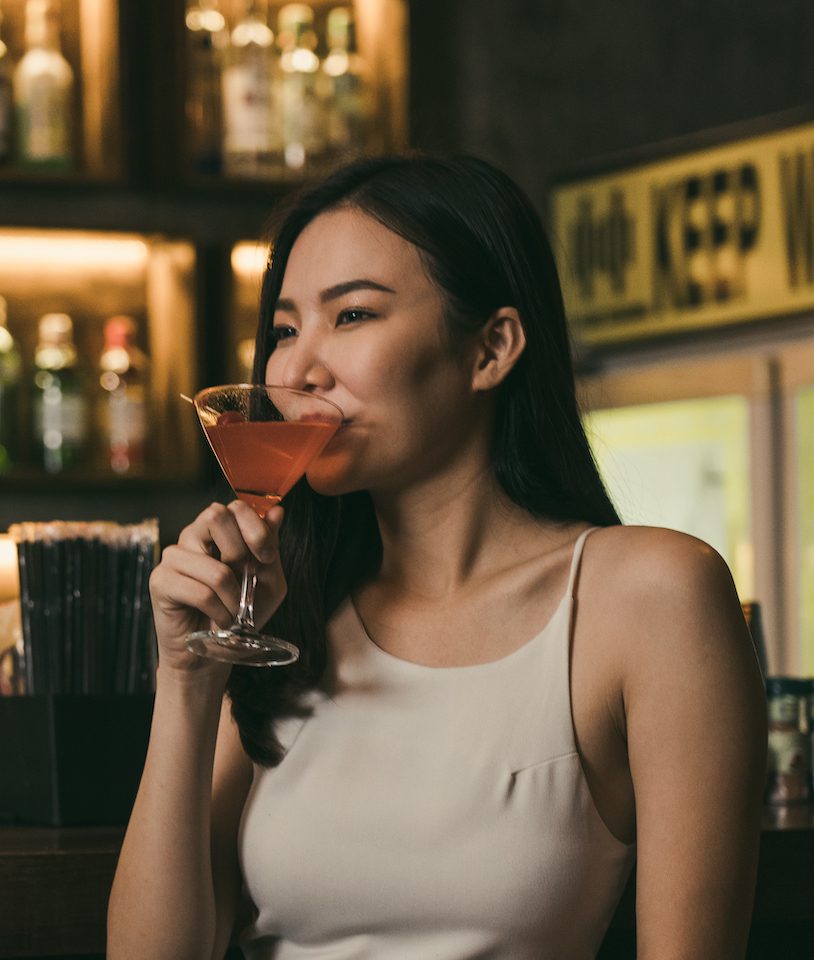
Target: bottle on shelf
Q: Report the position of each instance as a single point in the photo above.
(207, 40)
(124, 382)
(788, 755)
(5, 96)
(251, 126)
(349, 95)
(60, 408)
(43, 92)
(9, 392)
(301, 96)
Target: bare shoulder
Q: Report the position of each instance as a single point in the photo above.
(647, 558)
(639, 565)
(668, 592)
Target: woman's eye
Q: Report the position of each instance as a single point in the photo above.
(352, 316)
(282, 333)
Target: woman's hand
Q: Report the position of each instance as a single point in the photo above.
(197, 583)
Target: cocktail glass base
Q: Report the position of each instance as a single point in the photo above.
(242, 646)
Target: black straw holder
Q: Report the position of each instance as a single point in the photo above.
(71, 760)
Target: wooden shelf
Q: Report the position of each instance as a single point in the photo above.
(217, 214)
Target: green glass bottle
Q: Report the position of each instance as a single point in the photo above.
(301, 100)
(349, 94)
(60, 404)
(43, 93)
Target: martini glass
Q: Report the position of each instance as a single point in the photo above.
(264, 437)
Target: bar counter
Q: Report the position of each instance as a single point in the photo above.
(54, 886)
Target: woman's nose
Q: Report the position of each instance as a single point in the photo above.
(303, 366)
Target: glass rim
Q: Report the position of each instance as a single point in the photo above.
(208, 391)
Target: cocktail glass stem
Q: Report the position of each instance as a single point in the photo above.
(245, 610)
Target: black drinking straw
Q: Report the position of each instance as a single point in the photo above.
(39, 635)
(125, 594)
(133, 632)
(112, 639)
(69, 642)
(87, 619)
(138, 642)
(76, 618)
(23, 565)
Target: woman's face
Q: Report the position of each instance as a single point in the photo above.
(359, 321)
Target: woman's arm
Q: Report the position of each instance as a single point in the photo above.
(176, 884)
(696, 735)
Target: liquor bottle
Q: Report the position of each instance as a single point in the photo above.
(43, 92)
(302, 116)
(5, 97)
(251, 137)
(59, 403)
(124, 382)
(349, 96)
(207, 39)
(9, 392)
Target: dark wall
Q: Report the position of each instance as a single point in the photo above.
(542, 86)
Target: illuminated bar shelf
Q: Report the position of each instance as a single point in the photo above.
(381, 32)
(92, 276)
(90, 31)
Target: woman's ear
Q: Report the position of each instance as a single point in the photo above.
(501, 342)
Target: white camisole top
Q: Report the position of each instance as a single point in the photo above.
(431, 813)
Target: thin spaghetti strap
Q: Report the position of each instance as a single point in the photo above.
(578, 546)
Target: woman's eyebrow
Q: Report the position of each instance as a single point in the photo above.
(338, 290)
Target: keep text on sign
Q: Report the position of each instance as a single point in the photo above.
(705, 239)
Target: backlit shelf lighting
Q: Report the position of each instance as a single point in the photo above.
(249, 260)
(67, 251)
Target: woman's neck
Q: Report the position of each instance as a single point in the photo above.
(445, 535)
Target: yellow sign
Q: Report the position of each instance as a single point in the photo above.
(720, 236)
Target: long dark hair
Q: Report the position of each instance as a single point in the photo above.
(484, 246)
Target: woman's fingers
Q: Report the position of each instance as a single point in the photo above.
(180, 591)
(234, 532)
(260, 534)
(212, 575)
(214, 530)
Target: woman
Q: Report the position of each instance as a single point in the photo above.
(501, 688)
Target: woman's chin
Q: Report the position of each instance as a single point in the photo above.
(331, 481)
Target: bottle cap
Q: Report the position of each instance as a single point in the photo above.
(56, 328)
(119, 331)
(295, 26)
(295, 13)
(41, 22)
(338, 27)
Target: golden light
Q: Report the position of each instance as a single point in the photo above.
(70, 251)
(249, 260)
